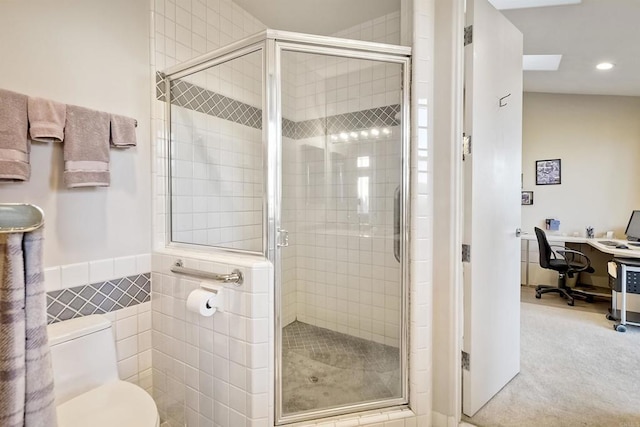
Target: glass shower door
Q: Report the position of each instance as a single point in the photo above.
(341, 279)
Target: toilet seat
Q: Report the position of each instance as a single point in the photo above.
(117, 403)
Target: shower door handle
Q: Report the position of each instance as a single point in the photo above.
(283, 238)
(396, 223)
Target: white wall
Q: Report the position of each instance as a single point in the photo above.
(447, 293)
(94, 54)
(598, 140)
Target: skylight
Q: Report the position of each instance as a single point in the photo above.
(541, 62)
(522, 4)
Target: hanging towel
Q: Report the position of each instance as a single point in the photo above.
(86, 148)
(46, 120)
(27, 395)
(123, 131)
(14, 144)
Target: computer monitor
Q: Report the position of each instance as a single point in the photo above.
(633, 228)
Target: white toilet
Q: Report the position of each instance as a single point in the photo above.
(87, 388)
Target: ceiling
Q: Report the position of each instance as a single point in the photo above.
(324, 17)
(585, 34)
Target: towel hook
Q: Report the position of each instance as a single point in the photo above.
(502, 103)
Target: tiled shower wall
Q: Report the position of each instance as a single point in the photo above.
(339, 268)
(182, 30)
(218, 169)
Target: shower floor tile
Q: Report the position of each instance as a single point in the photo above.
(324, 369)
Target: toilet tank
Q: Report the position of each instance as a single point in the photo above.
(83, 355)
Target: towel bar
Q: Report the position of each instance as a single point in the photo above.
(235, 277)
(20, 217)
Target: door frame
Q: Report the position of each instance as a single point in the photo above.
(448, 304)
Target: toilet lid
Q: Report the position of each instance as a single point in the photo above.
(118, 403)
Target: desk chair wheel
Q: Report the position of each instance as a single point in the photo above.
(620, 328)
(571, 302)
(538, 295)
(610, 317)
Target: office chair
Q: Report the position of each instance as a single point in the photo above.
(566, 262)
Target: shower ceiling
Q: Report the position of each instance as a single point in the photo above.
(324, 17)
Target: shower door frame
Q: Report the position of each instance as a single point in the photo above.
(277, 42)
(246, 46)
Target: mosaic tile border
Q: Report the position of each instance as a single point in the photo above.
(195, 98)
(98, 298)
(187, 95)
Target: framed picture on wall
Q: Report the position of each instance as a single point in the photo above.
(527, 197)
(548, 172)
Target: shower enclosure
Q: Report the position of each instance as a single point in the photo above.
(295, 147)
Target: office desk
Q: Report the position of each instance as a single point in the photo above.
(624, 315)
(632, 252)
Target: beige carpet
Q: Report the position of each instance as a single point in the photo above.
(575, 371)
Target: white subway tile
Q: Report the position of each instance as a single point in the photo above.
(101, 270)
(143, 263)
(237, 399)
(127, 347)
(144, 320)
(126, 327)
(123, 313)
(73, 275)
(257, 405)
(125, 266)
(128, 367)
(144, 340)
(52, 279)
(237, 419)
(144, 360)
(237, 375)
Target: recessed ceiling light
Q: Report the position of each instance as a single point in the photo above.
(522, 4)
(541, 62)
(604, 66)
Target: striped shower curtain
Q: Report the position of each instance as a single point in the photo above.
(26, 379)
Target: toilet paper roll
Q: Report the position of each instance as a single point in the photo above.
(202, 302)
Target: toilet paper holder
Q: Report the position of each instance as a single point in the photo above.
(236, 277)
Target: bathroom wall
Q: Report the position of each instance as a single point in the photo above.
(94, 54)
(596, 137)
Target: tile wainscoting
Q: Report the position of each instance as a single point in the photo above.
(117, 288)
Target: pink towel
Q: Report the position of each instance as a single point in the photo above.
(123, 131)
(14, 144)
(86, 148)
(46, 120)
